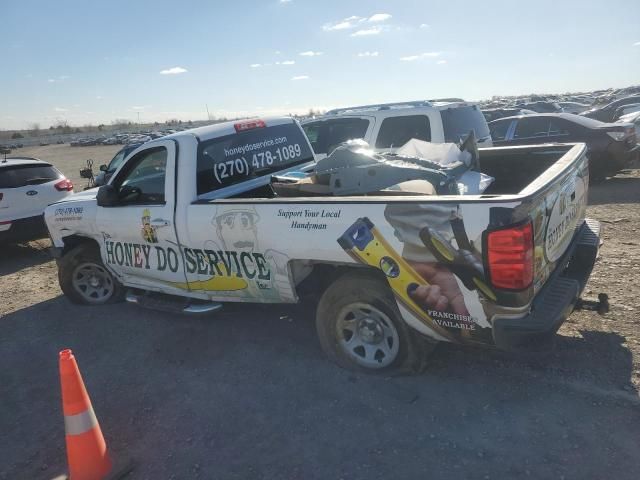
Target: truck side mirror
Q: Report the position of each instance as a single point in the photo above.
(103, 168)
(107, 196)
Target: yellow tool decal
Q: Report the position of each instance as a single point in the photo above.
(364, 243)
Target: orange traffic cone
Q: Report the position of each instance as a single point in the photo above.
(87, 454)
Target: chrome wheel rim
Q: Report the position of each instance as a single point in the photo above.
(367, 335)
(93, 282)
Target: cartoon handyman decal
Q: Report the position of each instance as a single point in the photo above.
(237, 228)
(148, 231)
(232, 265)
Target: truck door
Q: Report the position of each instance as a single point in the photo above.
(139, 240)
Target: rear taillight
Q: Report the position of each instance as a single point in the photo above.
(510, 257)
(64, 185)
(249, 125)
(8, 222)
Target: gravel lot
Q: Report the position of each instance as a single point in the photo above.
(247, 393)
(70, 160)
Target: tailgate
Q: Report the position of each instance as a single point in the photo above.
(559, 210)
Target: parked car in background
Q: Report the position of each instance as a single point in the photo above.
(391, 125)
(625, 109)
(541, 107)
(574, 107)
(607, 113)
(612, 146)
(491, 114)
(633, 118)
(584, 99)
(106, 171)
(27, 187)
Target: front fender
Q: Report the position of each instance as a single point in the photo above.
(76, 215)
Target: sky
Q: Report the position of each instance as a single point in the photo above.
(89, 63)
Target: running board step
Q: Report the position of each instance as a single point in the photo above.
(172, 304)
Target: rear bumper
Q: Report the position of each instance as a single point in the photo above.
(25, 229)
(556, 300)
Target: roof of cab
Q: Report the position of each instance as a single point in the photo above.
(13, 161)
(216, 130)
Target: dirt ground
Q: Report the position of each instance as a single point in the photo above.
(247, 392)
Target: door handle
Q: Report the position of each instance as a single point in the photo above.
(160, 222)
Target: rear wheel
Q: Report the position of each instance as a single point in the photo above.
(597, 169)
(85, 280)
(360, 328)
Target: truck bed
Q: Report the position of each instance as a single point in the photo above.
(513, 168)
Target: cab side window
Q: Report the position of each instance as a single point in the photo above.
(396, 131)
(142, 181)
(115, 162)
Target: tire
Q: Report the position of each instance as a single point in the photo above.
(84, 279)
(360, 328)
(596, 177)
(597, 170)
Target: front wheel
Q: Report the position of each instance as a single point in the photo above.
(360, 328)
(85, 280)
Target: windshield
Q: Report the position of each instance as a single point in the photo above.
(458, 122)
(325, 135)
(235, 158)
(116, 161)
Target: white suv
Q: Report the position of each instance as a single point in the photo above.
(27, 187)
(390, 125)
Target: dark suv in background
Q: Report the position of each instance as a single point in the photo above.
(608, 112)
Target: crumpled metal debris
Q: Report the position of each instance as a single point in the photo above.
(354, 168)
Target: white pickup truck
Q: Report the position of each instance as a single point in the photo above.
(194, 219)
